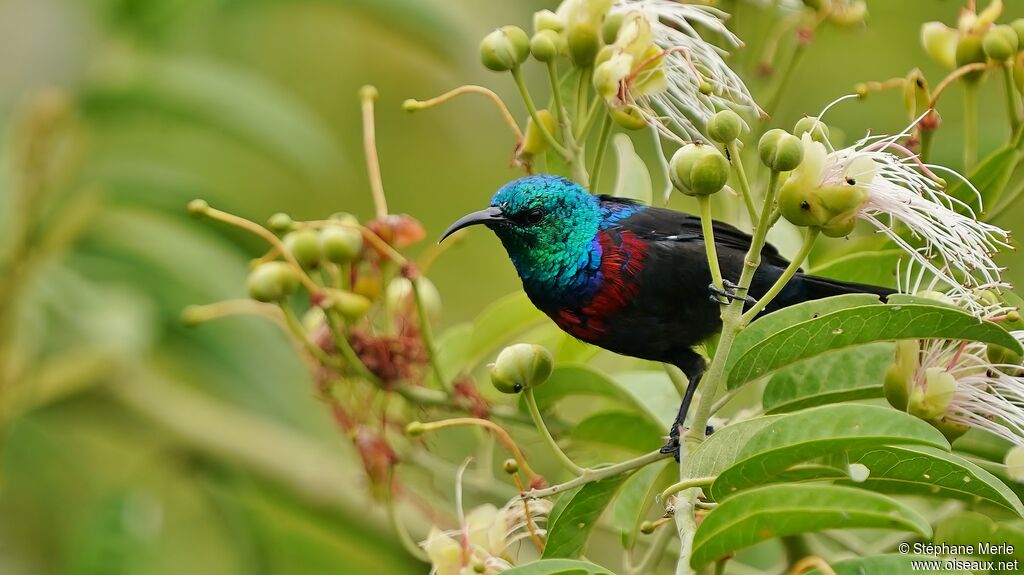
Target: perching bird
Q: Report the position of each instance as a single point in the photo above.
(630, 278)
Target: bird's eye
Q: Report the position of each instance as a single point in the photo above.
(533, 216)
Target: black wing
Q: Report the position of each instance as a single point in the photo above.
(659, 224)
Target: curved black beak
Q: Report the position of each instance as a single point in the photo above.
(485, 216)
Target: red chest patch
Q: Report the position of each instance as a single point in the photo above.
(622, 258)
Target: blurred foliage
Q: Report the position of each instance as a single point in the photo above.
(135, 445)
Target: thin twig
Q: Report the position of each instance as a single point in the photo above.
(368, 94)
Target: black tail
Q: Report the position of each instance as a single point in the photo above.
(815, 287)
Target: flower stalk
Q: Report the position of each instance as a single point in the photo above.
(531, 404)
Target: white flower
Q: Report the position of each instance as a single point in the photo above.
(484, 535)
(879, 181)
(956, 384)
(697, 80)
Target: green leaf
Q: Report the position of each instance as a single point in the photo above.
(558, 567)
(654, 390)
(818, 432)
(887, 564)
(635, 497)
(499, 323)
(922, 470)
(772, 323)
(781, 510)
(834, 377)
(989, 177)
(576, 380)
(867, 267)
(854, 326)
(633, 180)
(619, 429)
(569, 530)
(720, 449)
(972, 528)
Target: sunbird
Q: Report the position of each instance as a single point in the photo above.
(631, 278)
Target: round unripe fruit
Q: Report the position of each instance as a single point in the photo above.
(414, 429)
(1018, 28)
(1015, 463)
(401, 297)
(345, 218)
(504, 48)
(547, 20)
(780, 150)
(813, 126)
(521, 366)
(348, 304)
(304, 245)
(698, 170)
(511, 466)
(272, 282)
(280, 223)
(725, 127)
(340, 244)
(197, 207)
(544, 45)
(1000, 43)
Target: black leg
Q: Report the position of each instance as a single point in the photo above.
(724, 296)
(693, 366)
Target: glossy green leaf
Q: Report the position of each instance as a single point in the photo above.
(720, 450)
(855, 326)
(580, 380)
(894, 564)
(558, 567)
(569, 530)
(654, 390)
(621, 430)
(817, 432)
(973, 528)
(781, 510)
(633, 180)
(923, 470)
(867, 267)
(834, 377)
(630, 507)
(770, 324)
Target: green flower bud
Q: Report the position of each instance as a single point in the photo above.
(350, 305)
(780, 150)
(345, 218)
(1015, 463)
(647, 527)
(197, 208)
(511, 466)
(1018, 28)
(849, 15)
(272, 282)
(629, 118)
(504, 48)
(698, 170)
(368, 286)
(304, 245)
(521, 366)
(584, 42)
(899, 377)
(280, 223)
(340, 244)
(939, 42)
(534, 142)
(1000, 43)
(1005, 358)
(813, 126)
(544, 45)
(725, 127)
(400, 296)
(610, 29)
(547, 20)
(969, 50)
(705, 88)
(415, 429)
(932, 400)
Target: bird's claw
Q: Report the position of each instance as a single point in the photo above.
(672, 445)
(727, 295)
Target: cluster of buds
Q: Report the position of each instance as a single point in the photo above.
(975, 39)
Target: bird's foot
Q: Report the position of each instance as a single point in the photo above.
(729, 294)
(672, 445)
